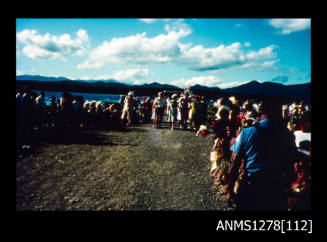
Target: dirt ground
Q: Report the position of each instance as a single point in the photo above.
(136, 168)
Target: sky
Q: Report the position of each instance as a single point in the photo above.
(183, 52)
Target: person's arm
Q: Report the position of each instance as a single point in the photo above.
(234, 166)
(154, 103)
(236, 161)
(232, 174)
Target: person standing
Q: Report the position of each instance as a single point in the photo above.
(41, 109)
(268, 150)
(172, 111)
(201, 113)
(183, 106)
(27, 111)
(128, 108)
(159, 108)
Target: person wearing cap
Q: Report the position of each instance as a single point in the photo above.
(172, 110)
(159, 108)
(268, 150)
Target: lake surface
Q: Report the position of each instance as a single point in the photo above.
(112, 98)
(103, 97)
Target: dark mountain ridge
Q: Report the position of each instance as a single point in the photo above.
(253, 88)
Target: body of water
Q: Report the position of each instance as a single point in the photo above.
(103, 97)
(112, 98)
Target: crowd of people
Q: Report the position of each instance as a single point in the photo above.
(261, 156)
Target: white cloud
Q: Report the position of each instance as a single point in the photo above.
(17, 51)
(148, 20)
(288, 26)
(262, 54)
(224, 85)
(85, 78)
(129, 75)
(209, 81)
(231, 56)
(213, 58)
(18, 73)
(247, 44)
(86, 65)
(167, 48)
(140, 49)
(152, 20)
(132, 74)
(50, 46)
(258, 66)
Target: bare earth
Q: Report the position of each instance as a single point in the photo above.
(138, 168)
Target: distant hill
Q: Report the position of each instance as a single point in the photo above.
(157, 85)
(198, 87)
(40, 78)
(299, 91)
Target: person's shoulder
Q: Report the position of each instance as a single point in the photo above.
(249, 130)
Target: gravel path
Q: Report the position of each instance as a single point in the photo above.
(138, 168)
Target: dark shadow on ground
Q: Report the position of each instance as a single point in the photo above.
(29, 144)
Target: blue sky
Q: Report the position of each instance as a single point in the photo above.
(212, 52)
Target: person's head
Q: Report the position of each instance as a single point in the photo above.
(224, 101)
(186, 94)
(86, 105)
(232, 99)
(53, 99)
(160, 94)
(248, 106)
(224, 113)
(234, 111)
(174, 97)
(27, 90)
(271, 108)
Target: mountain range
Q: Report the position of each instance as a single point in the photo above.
(298, 91)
